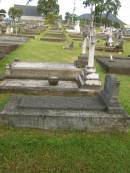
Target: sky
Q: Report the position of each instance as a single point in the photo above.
(67, 6)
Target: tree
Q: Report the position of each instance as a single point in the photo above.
(67, 17)
(97, 6)
(111, 7)
(48, 7)
(2, 14)
(103, 6)
(15, 13)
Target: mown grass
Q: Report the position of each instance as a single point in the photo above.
(37, 151)
(34, 151)
(36, 50)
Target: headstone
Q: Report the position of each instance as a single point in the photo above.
(76, 28)
(89, 79)
(11, 30)
(110, 94)
(83, 59)
(8, 30)
(111, 58)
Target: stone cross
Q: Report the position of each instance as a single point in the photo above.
(89, 78)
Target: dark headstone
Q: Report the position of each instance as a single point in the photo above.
(110, 94)
(82, 61)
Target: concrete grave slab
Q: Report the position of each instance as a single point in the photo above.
(96, 113)
(42, 87)
(68, 113)
(37, 70)
(38, 86)
(117, 66)
(13, 39)
(53, 39)
(6, 48)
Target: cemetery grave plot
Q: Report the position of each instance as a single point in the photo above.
(54, 36)
(30, 32)
(37, 70)
(76, 37)
(97, 113)
(7, 48)
(30, 29)
(25, 35)
(127, 38)
(13, 40)
(117, 66)
(10, 43)
(109, 49)
(41, 87)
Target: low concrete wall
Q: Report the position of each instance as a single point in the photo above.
(68, 120)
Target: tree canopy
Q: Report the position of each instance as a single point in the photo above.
(103, 6)
(48, 7)
(2, 12)
(15, 13)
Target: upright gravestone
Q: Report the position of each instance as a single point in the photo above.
(110, 94)
(82, 59)
(89, 78)
(110, 38)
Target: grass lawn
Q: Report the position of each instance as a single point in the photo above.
(37, 151)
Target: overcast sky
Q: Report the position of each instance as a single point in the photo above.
(67, 6)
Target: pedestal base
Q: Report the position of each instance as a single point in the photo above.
(89, 79)
(82, 61)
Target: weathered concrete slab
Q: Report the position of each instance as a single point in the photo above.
(42, 87)
(25, 35)
(36, 70)
(109, 49)
(55, 34)
(80, 113)
(58, 102)
(118, 66)
(17, 85)
(53, 39)
(76, 37)
(13, 39)
(6, 48)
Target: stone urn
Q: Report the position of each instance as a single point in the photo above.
(53, 80)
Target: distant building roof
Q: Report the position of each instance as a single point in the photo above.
(110, 17)
(28, 10)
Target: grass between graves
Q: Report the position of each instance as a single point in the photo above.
(37, 151)
(36, 50)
